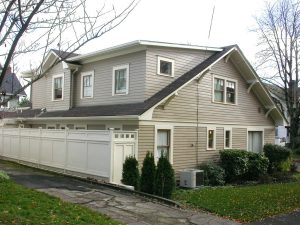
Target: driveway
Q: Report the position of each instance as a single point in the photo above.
(120, 205)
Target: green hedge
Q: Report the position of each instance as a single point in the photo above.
(279, 157)
(214, 175)
(240, 165)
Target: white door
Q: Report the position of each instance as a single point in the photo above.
(121, 151)
(255, 141)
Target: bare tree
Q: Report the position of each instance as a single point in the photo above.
(33, 27)
(279, 39)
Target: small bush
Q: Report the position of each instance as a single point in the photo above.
(130, 174)
(164, 178)
(278, 156)
(148, 174)
(3, 176)
(234, 163)
(213, 174)
(257, 166)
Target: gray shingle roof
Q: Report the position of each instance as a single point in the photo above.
(128, 109)
(11, 84)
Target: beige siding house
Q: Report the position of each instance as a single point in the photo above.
(188, 102)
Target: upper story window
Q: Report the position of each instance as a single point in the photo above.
(58, 87)
(225, 91)
(165, 66)
(87, 84)
(121, 80)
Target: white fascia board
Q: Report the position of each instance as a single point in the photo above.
(133, 47)
(131, 117)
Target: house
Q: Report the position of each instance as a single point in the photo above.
(186, 101)
(10, 85)
(281, 132)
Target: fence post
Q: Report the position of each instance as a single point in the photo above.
(19, 146)
(40, 146)
(66, 149)
(111, 141)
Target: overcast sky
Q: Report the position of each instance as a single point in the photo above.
(187, 22)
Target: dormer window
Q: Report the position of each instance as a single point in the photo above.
(121, 80)
(165, 66)
(57, 85)
(87, 84)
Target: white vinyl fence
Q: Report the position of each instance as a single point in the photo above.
(82, 151)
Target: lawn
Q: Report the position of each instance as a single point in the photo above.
(22, 206)
(245, 203)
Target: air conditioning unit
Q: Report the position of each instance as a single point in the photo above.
(191, 178)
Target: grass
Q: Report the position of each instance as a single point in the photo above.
(22, 206)
(244, 204)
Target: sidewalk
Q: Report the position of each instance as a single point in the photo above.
(122, 206)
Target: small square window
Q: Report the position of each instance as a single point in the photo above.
(165, 66)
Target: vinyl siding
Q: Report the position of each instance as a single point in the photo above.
(146, 141)
(269, 135)
(239, 138)
(184, 59)
(103, 76)
(184, 106)
(42, 90)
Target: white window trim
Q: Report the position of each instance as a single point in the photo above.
(225, 86)
(230, 137)
(255, 129)
(215, 140)
(62, 87)
(159, 58)
(164, 127)
(120, 67)
(83, 74)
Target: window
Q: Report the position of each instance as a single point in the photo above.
(211, 138)
(163, 143)
(165, 66)
(120, 80)
(224, 91)
(255, 141)
(219, 90)
(87, 83)
(57, 87)
(227, 138)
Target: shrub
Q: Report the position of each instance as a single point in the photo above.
(164, 178)
(257, 166)
(213, 174)
(234, 163)
(148, 174)
(130, 174)
(3, 176)
(278, 156)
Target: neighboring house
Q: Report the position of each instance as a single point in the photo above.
(186, 101)
(10, 85)
(281, 132)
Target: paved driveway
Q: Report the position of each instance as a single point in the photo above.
(119, 205)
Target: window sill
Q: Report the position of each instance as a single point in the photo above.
(211, 149)
(165, 75)
(120, 94)
(224, 103)
(57, 100)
